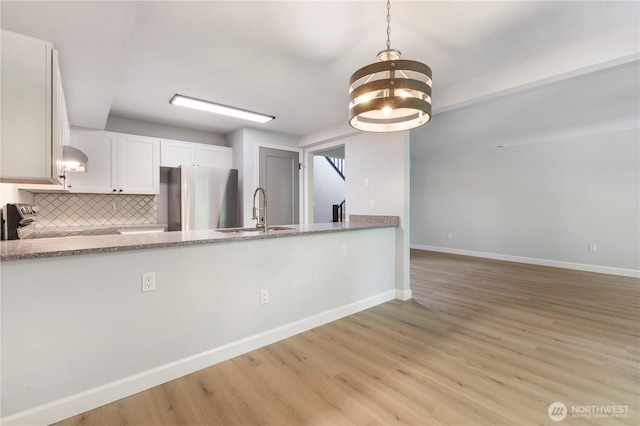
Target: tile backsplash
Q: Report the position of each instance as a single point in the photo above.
(95, 209)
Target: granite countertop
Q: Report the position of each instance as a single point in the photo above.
(70, 231)
(84, 244)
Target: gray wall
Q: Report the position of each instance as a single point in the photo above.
(382, 159)
(70, 344)
(145, 128)
(246, 143)
(567, 177)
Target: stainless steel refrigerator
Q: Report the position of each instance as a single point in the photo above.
(202, 198)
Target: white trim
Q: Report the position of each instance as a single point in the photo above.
(403, 295)
(6, 33)
(309, 154)
(309, 194)
(101, 395)
(535, 261)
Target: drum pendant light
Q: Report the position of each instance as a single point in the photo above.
(392, 94)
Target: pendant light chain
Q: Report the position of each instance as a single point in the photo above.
(388, 24)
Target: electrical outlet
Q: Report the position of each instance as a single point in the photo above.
(372, 204)
(148, 281)
(264, 296)
(450, 235)
(343, 251)
(366, 182)
(593, 247)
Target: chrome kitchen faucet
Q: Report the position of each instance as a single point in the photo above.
(261, 222)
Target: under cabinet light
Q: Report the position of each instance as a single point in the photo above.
(73, 160)
(219, 109)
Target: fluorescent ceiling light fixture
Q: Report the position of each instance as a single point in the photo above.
(219, 109)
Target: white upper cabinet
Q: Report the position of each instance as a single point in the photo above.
(100, 147)
(61, 128)
(31, 150)
(213, 156)
(118, 163)
(176, 153)
(138, 165)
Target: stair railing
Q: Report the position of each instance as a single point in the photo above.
(338, 165)
(338, 212)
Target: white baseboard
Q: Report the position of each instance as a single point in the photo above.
(96, 397)
(403, 295)
(534, 261)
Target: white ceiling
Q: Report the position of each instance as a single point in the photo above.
(602, 102)
(290, 59)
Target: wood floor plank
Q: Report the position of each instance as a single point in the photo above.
(483, 342)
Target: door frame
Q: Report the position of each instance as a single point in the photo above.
(301, 186)
(309, 153)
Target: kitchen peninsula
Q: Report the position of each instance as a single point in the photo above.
(78, 331)
(48, 247)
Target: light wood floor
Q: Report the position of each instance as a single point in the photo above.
(483, 343)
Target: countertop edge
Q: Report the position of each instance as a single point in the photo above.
(131, 243)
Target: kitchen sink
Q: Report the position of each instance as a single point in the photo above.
(270, 228)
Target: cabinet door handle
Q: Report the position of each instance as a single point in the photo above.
(120, 190)
(113, 190)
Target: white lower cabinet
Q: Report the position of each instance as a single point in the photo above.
(176, 153)
(118, 163)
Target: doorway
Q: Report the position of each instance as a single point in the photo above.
(279, 176)
(329, 204)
